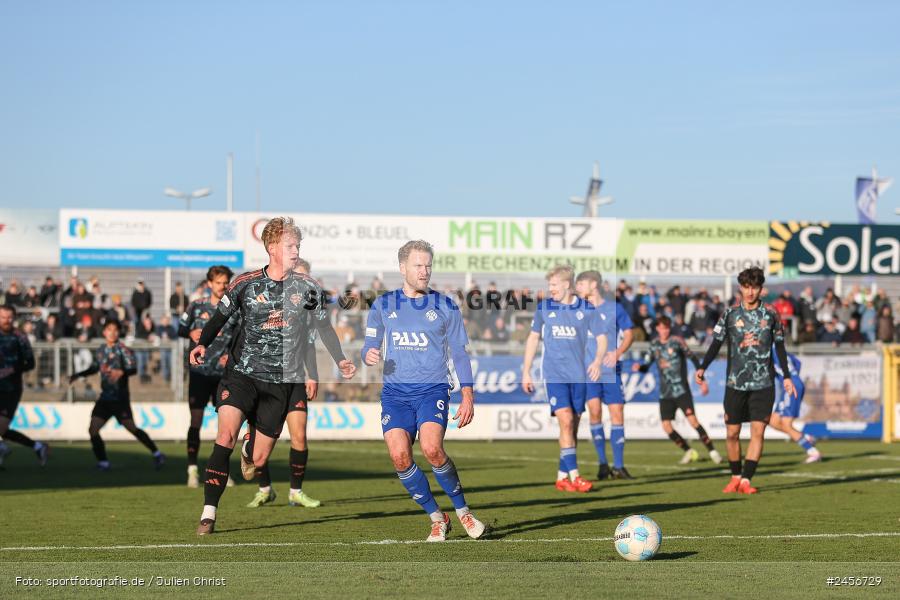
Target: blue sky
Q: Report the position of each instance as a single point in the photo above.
(694, 110)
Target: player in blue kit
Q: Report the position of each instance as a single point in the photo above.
(564, 322)
(787, 408)
(422, 330)
(610, 392)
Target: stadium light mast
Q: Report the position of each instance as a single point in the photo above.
(592, 200)
(196, 194)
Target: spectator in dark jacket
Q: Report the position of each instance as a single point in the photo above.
(141, 300)
(830, 334)
(852, 335)
(884, 329)
(178, 301)
(702, 320)
(808, 335)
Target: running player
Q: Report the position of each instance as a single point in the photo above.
(422, 330)
(671, 353)
(297, 412)
(276, 308)
(787, 408)
(564, 322)
(750, 328)
(115, 362)
(610, 392)
(16, 358)
(205, 377)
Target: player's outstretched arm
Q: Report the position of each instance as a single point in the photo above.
(596, 365)
(26, 356)
(333, 345)
(466, 411)
(531, 345)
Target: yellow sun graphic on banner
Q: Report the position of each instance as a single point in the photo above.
(781, 234)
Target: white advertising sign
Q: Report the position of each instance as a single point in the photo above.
(29, 238)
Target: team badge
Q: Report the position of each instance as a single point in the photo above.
(431, 315)
(579, 315)
(739, 323)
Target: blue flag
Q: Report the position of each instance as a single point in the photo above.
(868, 189)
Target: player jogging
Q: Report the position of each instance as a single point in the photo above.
(671, 355)
(297, 412)
(422, 330)
(610, 392)
(276, 307)
(750, 328)
(204, 377)
(16, 358)
(787, 408)
(564, 322)
(115, 362)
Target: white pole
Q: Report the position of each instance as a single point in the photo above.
(728, 290)
(229, 183)
(167, 288)
(838, 286)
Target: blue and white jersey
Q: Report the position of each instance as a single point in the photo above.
(565, 329)
(793, 366)
(420, 336)
(615, 320)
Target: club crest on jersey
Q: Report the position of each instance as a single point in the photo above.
(579, 315)
(739, 323)
(409, 339)
(563, 331)
(431, 315)
(261, 298)
(204, 315)
(296, 299)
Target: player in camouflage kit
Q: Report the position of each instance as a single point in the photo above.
(205, 377)
(277, 308)
(16, 358)
(305, 392)
(751, 329)
(671, 353)
(115, 362)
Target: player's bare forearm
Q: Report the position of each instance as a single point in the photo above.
(627, 340)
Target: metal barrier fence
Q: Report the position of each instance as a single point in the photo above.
(162, 372)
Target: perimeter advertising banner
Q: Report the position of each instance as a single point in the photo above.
(128, 238)
(29, 238)
(339, 242)
(802, 248)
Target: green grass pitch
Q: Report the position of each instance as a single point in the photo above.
(838, 518)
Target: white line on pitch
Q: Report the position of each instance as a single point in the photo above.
(411, 542)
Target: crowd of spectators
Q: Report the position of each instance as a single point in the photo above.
(79, 308)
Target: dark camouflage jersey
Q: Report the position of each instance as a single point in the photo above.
(16, 357)
(106, 359)
(195, 317)
(276, 322)
(750, 335)
(671, 359)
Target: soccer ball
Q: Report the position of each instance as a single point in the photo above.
(637, 538)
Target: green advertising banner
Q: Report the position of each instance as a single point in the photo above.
(803, 248)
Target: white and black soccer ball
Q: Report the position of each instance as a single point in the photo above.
(637, 538)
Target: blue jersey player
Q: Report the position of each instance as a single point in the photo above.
(422, 330)
(787, 408)
(564, 322)
(610, 392)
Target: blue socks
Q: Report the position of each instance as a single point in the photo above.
(805, 443)
(567, 460)
(448, 478)
(416, 484)
(617, 441)
(599, 437)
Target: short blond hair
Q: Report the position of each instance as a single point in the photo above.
(563, 272)
(276, 228)
(408, 247)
